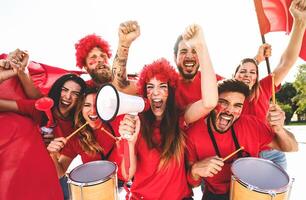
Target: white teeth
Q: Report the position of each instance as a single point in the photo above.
(65, 103)
(156, 100)
(225, 117)
(93, 117)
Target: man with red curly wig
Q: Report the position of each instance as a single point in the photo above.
(93, 53)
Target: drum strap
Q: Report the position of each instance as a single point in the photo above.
(213, 140)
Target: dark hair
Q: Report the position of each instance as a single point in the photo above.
(172, 141)
(254, 91)
(175, 48)
(55, 91)
(233, 85)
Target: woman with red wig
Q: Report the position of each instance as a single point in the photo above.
(157, 144)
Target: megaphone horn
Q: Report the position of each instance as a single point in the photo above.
(45, 104)
(110, 103)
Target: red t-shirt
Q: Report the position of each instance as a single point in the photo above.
(73, 147)
(149, 183)
(26, 170)
(63, 127)
(260, 107)
(189, 92)
(251, 133)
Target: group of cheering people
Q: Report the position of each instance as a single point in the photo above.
(193, 121)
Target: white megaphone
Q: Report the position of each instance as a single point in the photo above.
(110, 103)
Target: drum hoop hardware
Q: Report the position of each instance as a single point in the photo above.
(108, 177)
(93, 182)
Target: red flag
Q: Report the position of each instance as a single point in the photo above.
(274, 15)
(42, 75)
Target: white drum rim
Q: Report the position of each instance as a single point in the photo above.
(109, 176)
(266, 191)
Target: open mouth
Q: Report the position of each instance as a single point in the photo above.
(93, 117)
(224, 120)
(157, 103)
(189, 65)
(65, 103)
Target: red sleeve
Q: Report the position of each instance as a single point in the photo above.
(266, 86)
(192, 158)
(265, 134)
(70, 148)
(27, 107)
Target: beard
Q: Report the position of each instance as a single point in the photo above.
(187, 76)
(214, 120)
(101, 77)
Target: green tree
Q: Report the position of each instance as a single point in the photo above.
(285, 98)
(300, 86)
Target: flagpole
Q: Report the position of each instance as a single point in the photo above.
(263, 39)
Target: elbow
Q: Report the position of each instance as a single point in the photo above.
(209, 105)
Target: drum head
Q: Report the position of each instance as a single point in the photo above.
(92, 172)
(261, 174)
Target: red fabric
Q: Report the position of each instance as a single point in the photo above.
(149, 183)
(26, 169)
(44, 76)
(274, 15)
(260, 107)
(252, 134)
(189, 92)
(63, 127)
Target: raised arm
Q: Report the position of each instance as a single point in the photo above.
(283, 140)
(291, 53)
(193, 36)
(18, 62)
(128, 32)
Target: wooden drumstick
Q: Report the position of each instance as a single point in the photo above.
(76, 131)
(273, 89)
(108, 133)
(227, 157)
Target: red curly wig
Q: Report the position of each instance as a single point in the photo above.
(86, 44)
(162, 70)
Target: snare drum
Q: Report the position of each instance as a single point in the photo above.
(258, 179)
(95, 180)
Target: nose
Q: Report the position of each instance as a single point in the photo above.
(155, 91)
(68, 95)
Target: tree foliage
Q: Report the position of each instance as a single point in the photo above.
(300, 86)
(286, 99)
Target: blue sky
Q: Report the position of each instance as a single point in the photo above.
(49, 29)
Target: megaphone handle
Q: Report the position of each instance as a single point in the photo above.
(50, 118)
(126, 154)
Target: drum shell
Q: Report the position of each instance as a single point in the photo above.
(103, 189)
(241, 190)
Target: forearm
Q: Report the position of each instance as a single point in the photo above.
(8, 106)
(133, 164)
(119, 66)
(60, 167)
(292, 51)
(28, 86)
(285, 141)
(209, 88)
(6, 74)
